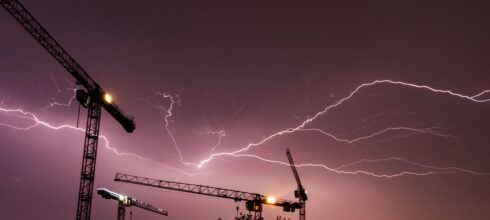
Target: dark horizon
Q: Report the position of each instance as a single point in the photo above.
(384, 106)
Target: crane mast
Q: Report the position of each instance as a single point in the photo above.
(121, 211)
(125, 201)
(93, 97)
(253, 201)
(300, 192)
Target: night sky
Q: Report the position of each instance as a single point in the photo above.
(230, 85)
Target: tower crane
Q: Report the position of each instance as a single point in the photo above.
(125, 201)
(300, 193)
(254, 201)
(92, 96)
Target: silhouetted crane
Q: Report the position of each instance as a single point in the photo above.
(125, 201)
(300, 193)
(92, 97)
(253, 201)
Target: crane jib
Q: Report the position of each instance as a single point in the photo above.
(254, 200)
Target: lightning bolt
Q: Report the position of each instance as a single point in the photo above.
(168, 113)
(220, 134)
(72, 88)
(451, 168)
(429, 130)
(301, 126)
(19, 113)
(338, 170)
(68, 103)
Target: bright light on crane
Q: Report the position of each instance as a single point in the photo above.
(271, 200)
(108, 98)
(124, 200)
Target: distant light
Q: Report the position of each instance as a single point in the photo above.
(271, 200)
(108, 98)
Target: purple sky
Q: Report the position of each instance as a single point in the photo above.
(252, 69)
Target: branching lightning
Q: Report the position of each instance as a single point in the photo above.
(19, 113)
(302, 126)
(54, 102)
(430, 130)
(68, 103)
(451, 168)
(220, 134)
(338, 171)
(167, 113)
